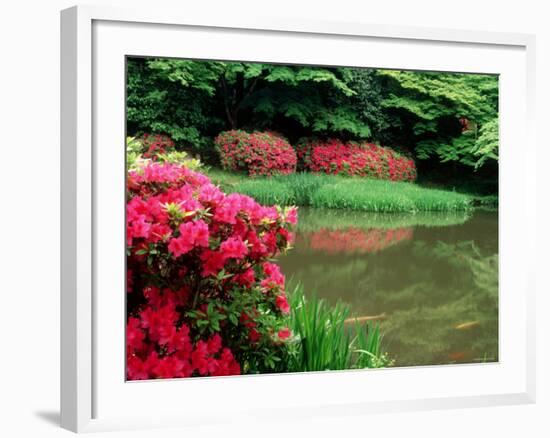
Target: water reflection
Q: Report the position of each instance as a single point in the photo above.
(434, 277)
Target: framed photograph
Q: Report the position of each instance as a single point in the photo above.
(312, 218)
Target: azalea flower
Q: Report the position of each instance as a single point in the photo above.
(356, 159)
(172, 212)
(284, 333)
(180, 245)
(234, 248)
(282, 304)
(257, 153)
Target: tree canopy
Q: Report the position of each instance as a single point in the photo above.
(436, 117)
(451, 116)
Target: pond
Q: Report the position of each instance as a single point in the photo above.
(429, 280)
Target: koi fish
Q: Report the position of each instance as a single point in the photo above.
(457, 355)
(365, 318)
(467, 325)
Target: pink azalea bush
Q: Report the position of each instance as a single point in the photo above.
(155, 144)
(256, 153)
(203, 295)
(355, 159)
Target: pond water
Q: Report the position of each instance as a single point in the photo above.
(429, 280)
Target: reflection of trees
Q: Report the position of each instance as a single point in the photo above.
(422, 328)
(313, 219)
(315, 276)
(425, 288)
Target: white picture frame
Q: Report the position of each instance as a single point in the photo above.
(92, 386)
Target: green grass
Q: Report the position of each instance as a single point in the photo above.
(223, 178)
(339, 192)
(326, 342)
(266, 191)
(387, 197)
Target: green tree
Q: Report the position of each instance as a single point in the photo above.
(450, 116)
(157, 103)
(255, 95)
(439, 117)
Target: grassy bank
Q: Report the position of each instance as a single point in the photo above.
(338, 192)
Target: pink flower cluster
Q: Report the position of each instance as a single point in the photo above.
(159, 347)
(155, 144)
(201, 284)
(356, 159)
(355, 240)
(257, 153)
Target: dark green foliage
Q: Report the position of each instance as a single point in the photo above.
(266, 95)
(367, 102)
(439, 117)
(156, 103)
(448, 116)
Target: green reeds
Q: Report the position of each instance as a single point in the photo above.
(387, 197)
(325, 340)
(340, 192)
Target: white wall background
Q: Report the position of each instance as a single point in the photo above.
(29, 216)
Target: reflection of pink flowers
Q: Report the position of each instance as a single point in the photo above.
(357, 159)
(355, 240)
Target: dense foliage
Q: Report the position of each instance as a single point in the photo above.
(355, 159)
(156, 147)
(204, 297)
(449, 121)
(257, 153)
(450, 116)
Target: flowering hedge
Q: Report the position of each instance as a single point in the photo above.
(257, 153)
(357, 159)
(203, 297)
